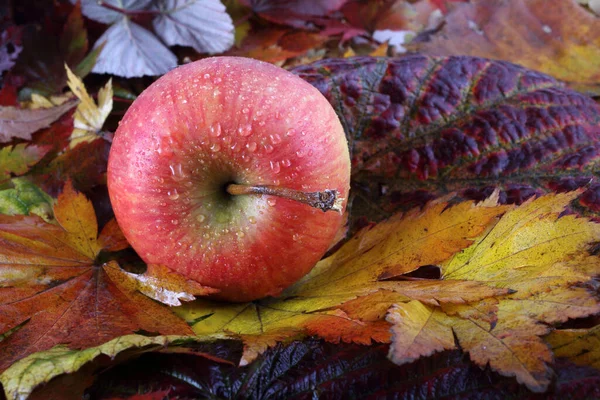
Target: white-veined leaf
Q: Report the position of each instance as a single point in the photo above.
(132, 51)
(201, 24)
(94, 9)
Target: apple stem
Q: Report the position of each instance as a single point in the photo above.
(327, 200)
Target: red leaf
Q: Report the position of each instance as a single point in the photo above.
(420, 127)
(52, 292)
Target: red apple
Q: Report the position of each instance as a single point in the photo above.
(222, 121)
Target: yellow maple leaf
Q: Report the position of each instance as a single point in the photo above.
(582, 346)
(417, 331)
(543, 258)
(505, 281)
(89, 116)
(327, 302)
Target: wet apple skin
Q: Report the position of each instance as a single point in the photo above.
(218, 121)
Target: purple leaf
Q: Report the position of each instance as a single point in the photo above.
(203, 25)
(21, 123)
(102, 11)
(132, 51)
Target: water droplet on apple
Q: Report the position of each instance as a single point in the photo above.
(215, 147)
(275, 167)
(268, 148)
(275, 138)
(173, 195)
(295, 237)
(240, 234)
(245, 130)
(174, 222)
(217, 80)
(206, 76)
(301, 153)
(200, 218)
(177, 172)
(215, 130)
(286, 162)
(252, 220)
(251, 146)
(290, 132)
(184, 101)
(303, 133)
(271, 202)
(245, 110)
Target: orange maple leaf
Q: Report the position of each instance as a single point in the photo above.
(53, 291)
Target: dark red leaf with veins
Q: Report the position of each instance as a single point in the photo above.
(420, 127)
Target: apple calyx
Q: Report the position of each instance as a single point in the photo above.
(326, 200)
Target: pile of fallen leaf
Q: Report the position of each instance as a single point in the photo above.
(471, 261)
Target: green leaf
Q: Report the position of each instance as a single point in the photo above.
(16, 160)
(26, 198)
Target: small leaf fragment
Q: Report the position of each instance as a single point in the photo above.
(17, 123)
(25, 198)
(159, 283)
(25, 375)
(89, 116)
(417, 332)
(582, 346)
(202, 24)
(16, 160)
(111, 238)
